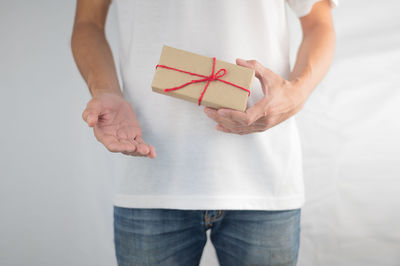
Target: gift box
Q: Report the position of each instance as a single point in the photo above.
(203, 80)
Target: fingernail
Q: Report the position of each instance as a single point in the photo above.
(241, 60)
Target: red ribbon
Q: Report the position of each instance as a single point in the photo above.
(212, 77)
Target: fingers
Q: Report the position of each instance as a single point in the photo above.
(234, 118)
(253, 64)
(147, 149)
(133, 147)
(91, 114)
(152, 153)
(261, 72)
(257, 111)
(234, 121)
(221, 128)
(241, 118)
(213, 114)
(242, 130)
(254, 119)
(114, 145)
(141, 147)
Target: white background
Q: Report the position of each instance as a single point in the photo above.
(56, 180)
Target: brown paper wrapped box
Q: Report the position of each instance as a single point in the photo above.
(217, 95)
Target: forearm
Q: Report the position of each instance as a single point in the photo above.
(313, 59)
(94, 58)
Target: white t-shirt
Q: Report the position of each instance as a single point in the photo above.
(198, 167)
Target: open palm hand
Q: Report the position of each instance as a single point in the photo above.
(116, 126)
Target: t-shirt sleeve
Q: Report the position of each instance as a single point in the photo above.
(303, 7)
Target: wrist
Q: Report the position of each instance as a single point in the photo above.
(98, 87)
(302, 83)
(99, 92)
(299, 93)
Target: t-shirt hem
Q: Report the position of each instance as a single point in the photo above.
(209, 202)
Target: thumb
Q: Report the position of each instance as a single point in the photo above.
(92, 119)
(253, 64)
(91, 114)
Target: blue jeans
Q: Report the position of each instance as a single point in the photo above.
(177, 237)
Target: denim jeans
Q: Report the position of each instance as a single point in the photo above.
(177, 237)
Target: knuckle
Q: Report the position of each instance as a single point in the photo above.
(258, 65)
(265, 113)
